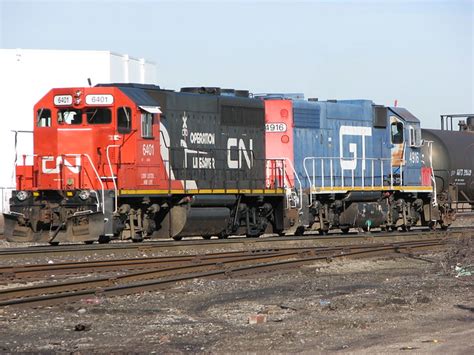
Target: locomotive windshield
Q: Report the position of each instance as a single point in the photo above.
(70, 117)
(74, 117)
(98, 115)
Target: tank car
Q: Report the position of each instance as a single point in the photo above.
(133, 161)
(353, 163)
(451, 154)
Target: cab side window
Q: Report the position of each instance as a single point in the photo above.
(43, 117)
(147, 125)
(397, 132)
(124, 120)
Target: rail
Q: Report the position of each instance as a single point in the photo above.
(59, 170)
(329, 173)
(299, 201)
(243, 264)
(112, 176)
(210, 167)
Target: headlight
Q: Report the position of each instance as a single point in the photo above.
(84, 194)
(22, 195)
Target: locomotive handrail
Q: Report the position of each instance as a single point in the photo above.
(101, 205)
(96, 174)
(297, 178)
(112, 175)
(383, 162)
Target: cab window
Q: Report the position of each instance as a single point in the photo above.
(98, 115)
(70, 117)
(124, 119)
(415, 136)
(43, 117)
(397, 132)
(147, 125)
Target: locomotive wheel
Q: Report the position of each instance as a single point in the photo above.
(177, 238)
(223, 236)
(406, 228)
(138, 238)
(88, 242)
(54, 243)
(323, 232)
(103, 239)
(207, 237)
(299, 231)
(345, 230)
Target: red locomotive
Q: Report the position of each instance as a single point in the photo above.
(129, 161)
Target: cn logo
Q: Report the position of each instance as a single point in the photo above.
(54, 168)
(243, 152)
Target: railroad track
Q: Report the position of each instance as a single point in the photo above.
(161, 274)
(238, 243)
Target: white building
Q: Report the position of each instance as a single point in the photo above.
(28, 74)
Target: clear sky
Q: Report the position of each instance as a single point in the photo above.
(418, 52)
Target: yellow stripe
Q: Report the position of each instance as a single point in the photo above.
(370, 188)
(201, 191)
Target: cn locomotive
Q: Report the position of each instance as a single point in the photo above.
(133, 161)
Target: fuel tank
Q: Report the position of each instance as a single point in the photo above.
(452, 159)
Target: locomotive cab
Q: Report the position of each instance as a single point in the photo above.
(63, 186)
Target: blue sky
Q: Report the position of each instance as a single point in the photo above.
(418, 52)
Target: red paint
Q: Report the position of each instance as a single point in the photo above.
(74, 156)
(425, 176)
(279, 144)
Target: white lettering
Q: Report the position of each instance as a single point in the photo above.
(202, 138)
(60, 160)
(351, 163)
(247, 154)
(148, 149)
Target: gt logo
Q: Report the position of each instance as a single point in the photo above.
(351, 162)
(58, 161)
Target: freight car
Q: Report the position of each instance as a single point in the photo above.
(135, 161)
(453, 161)
(132, 161)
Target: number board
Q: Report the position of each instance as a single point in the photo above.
(275, 127)
(63, 100)
(99, 100)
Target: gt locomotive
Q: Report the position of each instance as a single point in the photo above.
(132, 161)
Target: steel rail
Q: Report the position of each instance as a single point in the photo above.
(268, 242)
(47, 294)
(29, 271)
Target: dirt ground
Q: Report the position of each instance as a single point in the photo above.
(382, 305)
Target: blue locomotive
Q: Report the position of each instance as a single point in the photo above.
(354, 164)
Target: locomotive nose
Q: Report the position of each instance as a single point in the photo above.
(70, 166)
